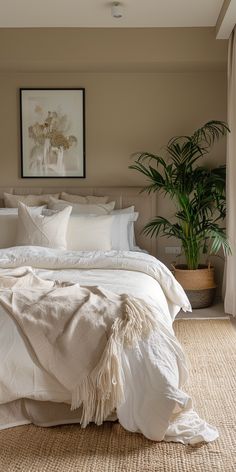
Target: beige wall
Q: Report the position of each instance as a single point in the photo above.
(107, 49)
(125, 113)
(142, 87)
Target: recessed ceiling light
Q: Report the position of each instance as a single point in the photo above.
(116, 10)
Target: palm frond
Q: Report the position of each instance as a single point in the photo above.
(209, 133)
(162, 226)
(218, 238)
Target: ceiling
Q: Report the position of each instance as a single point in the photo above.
(97, 13)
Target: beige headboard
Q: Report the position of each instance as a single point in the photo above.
(124, 197)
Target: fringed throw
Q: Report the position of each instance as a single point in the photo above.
(103, 390)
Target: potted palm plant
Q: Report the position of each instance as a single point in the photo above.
(199, 196)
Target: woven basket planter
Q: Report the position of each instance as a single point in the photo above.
(199, 284)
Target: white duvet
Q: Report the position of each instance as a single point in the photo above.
(154, 370)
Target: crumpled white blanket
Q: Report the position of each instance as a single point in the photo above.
(154, 369)
(45, 258)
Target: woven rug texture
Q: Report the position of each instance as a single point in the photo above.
(210, 346)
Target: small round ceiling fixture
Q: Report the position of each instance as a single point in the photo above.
(116, 10)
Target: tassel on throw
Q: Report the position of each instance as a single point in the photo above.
(103, 390)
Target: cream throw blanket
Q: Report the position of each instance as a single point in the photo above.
(78, 335)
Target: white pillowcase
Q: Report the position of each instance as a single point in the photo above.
(35, 229)
(82, 208)
(130, 226)
(11, 201)
(82, 199)
(8, 224)
(90, 233)
(122, 231)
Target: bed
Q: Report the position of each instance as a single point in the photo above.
(86, 334)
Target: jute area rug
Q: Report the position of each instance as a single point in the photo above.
(211, 349)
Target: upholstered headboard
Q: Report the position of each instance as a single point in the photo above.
(124, 197)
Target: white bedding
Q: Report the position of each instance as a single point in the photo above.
(154, 371)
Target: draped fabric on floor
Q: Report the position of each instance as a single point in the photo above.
(230, 270)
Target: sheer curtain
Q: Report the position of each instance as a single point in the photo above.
(230, 269)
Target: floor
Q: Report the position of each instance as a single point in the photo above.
(214, 311)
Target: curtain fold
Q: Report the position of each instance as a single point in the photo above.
(230, 268)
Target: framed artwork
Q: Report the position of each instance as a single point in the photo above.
(52, 133)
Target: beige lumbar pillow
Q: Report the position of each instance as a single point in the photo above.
(82, 208)
(83, 199)
(11, 201)
(36, 229)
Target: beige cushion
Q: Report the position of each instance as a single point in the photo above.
(38, 230)
(82, 199)
(11, 201)
(82, 208)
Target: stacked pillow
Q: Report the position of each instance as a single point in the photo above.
(90, 233)
(81, 199)
(36, 229)
(82, 208)
(11, 200)
(122, 237)
(75, 225)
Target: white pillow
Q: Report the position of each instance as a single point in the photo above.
(130, 225)
(124, 210)
(11, 201)
(35, 229)
(122, 231)
(82, 199)
(82, 208)
(90, 233)
(8, 225)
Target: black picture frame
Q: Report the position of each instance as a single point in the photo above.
(52, 130)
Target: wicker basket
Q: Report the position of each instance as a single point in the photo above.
(201, 298)
(199, 284)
